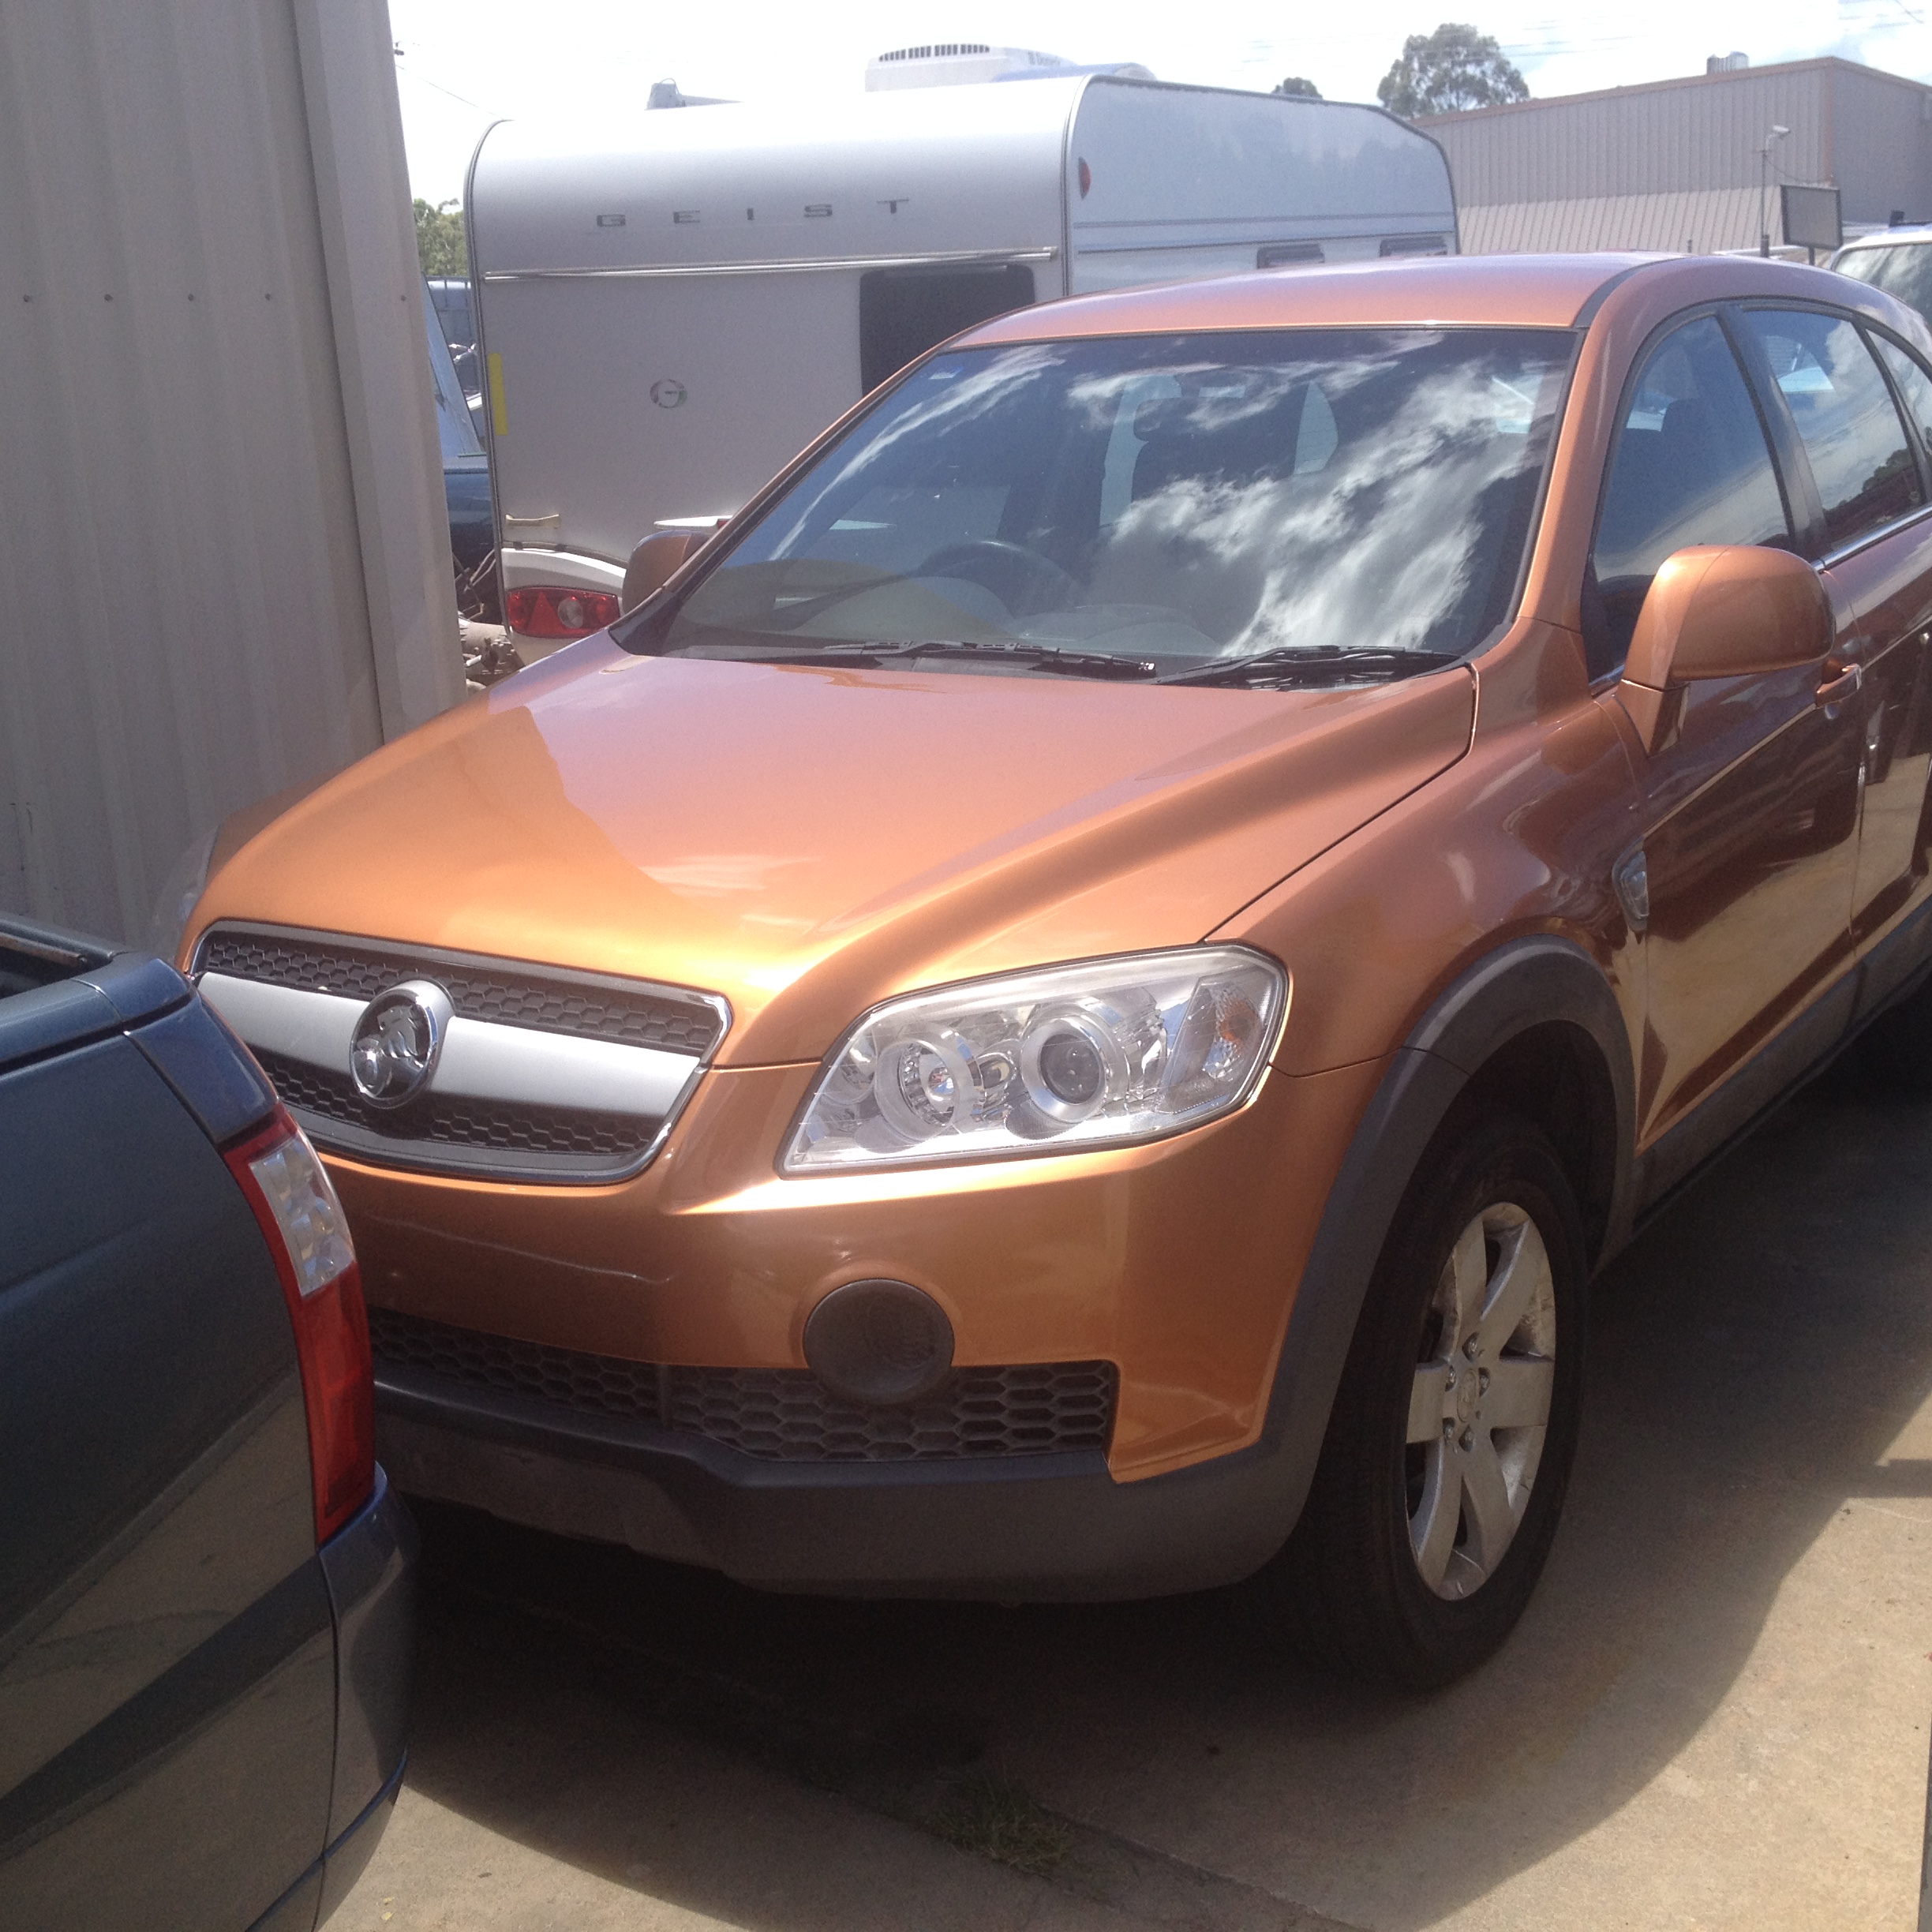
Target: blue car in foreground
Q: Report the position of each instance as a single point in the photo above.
(205, 1584)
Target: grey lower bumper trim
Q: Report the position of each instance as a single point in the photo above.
(1035, 1528)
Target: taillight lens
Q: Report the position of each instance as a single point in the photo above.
(308, 1234)
(546, 611)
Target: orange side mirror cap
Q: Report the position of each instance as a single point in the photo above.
(1717, 611)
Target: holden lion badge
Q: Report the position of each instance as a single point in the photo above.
(397, 1040)
(669, 393)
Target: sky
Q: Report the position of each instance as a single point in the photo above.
(465, 63)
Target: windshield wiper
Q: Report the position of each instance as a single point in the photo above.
(1290, 666)
(1036, 657)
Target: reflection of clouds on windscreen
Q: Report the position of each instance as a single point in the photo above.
(955, 402)
(1180, 498)
(1379, 546)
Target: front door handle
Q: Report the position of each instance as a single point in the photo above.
(1835, 690)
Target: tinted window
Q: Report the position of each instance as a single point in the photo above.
(1860, 460)
(1913, 385)
(1904, 270)
(905, 312)
(1691, 466)
(1178, 499)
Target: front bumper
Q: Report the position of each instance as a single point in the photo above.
(1031, 1528)
(1176, 1263)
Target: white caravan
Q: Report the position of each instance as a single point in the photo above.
(671, 308)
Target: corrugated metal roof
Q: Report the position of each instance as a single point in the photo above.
(1703, 221)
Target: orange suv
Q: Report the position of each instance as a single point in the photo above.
(1067, 1008)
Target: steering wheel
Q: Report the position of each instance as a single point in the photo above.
(1022, 579)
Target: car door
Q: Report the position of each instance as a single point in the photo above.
(1881, 576)
(1749, 816)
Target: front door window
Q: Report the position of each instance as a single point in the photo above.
(1691, 466)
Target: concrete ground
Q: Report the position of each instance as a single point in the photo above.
(1715, 1715)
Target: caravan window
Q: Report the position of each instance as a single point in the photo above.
(1177, 503)
(905, 312)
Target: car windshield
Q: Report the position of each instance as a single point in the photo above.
(1303, 505)
(1899, 268)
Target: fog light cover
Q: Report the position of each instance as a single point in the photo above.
(879, 1340)
(1100, 1054)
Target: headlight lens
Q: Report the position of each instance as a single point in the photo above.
(1067, 1057)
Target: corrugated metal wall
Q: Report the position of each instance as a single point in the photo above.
(213, 378)
(1574, 171)
(1699, 221)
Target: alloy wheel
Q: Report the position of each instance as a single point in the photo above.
(1479, 1407)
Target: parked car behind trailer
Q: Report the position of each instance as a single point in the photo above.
(1898, 260)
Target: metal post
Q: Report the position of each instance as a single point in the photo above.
(1777, 133)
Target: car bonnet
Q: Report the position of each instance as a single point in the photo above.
(806, 841)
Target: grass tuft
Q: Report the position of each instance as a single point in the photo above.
(986, 1815)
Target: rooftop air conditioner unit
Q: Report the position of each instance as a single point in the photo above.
(954, 63)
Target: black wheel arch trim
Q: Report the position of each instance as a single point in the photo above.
(1528, 983)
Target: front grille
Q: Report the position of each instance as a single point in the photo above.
(551, 1001)
(445, 1121)
(776, 1415)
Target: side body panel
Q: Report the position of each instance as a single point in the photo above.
(1751, 844)
(1885, 594)
(625, 402)
(167, 1695)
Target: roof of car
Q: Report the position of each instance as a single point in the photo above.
(1548, 291)
(1889, 237)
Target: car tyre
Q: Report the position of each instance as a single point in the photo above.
(1449, 1447)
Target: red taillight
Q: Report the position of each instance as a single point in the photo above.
(547, 610)
(309, 1236)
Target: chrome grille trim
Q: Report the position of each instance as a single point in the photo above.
(561, 1089)
(479, 1061)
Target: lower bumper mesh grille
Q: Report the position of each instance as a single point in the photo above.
(777, 1415)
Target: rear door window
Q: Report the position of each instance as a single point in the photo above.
(1861, 458)
(1913, 385)
(1691, 466)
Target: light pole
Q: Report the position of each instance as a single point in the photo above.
(1764, 189)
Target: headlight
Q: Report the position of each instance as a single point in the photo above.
(1043, 1062)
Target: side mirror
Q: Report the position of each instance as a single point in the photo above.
(1719, 611)
(658, 558)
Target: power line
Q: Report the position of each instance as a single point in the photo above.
(424, 80)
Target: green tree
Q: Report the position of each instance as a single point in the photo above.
(1446, 72)
(441, 245)
(1295, 85)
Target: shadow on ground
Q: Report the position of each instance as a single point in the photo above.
(1756, 1356)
